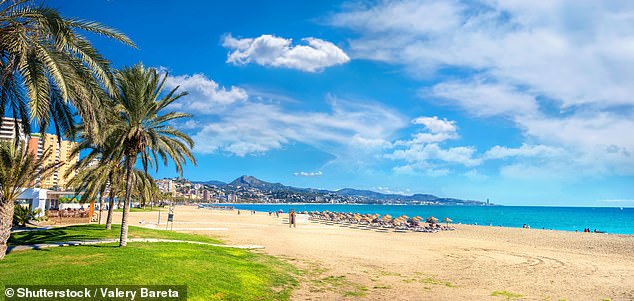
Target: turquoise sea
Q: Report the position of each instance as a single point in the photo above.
(610, 220)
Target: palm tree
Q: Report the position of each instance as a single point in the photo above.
(91, 182)
(18, 169)
(145, 188)
(96, 171)
(142, 131)
(43, 56)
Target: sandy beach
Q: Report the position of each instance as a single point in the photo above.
(472, 263)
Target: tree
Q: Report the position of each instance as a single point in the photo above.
(22, 215)
(142, 131)
(43, 57)
(18, 169)
(91, 181)
(145, 188)
(96, 170)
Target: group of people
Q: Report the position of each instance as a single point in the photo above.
(292, 216)
(277, 213)
(587, 230)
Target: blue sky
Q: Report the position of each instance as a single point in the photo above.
(524, 103)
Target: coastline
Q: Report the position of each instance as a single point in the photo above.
(470, 263)
(583, 222)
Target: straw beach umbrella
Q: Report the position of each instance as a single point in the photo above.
(386, 218)
(432, 220)
(447, 221)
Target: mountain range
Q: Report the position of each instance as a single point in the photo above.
(246, 181)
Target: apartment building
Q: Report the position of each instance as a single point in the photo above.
(8, 130)
(166, 185)
(60, 152)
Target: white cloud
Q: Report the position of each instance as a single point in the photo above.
(417, 153)
(267, 50)
(255, 128)
(551, 49)
(502, 152)
(560, 70)
(482, 99)
(600, 142)
(423, 151)
(370, 142)
(437, 130)
(388, 190)
(435, 125)
(205, 96)
(308, 174)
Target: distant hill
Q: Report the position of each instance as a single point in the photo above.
(210, 182)
(253, 182)
(386, 196)
(247, 181)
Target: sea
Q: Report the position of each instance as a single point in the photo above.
(612, 220)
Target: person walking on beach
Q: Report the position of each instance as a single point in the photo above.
(292, 219)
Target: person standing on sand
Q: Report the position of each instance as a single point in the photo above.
(292, 219)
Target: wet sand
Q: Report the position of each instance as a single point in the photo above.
(342, 262)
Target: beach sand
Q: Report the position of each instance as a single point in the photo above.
(471, 263)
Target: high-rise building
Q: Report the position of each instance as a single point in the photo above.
(60, 152)
(8, 130)
(166, 185)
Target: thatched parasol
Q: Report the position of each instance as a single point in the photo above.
(386, 218)
(432, 220)
(447, 221)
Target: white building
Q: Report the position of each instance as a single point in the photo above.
(8, 130)
(37, 198)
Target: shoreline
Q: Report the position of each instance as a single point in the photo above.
(457, 223)
(470, 263)
(424, 205)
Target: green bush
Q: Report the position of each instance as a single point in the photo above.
(23, 215)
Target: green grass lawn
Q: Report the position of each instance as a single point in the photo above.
(210, 273)
(92, 231)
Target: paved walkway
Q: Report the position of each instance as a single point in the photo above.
(105, 241)
(14, 230)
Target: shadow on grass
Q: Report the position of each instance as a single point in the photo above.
(71, 233)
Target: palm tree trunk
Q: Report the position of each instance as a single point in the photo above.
(110, 203)
(101, 202)
(123, 240)
(6, 219)
(110, 210)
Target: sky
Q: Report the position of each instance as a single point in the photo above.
(519, 102)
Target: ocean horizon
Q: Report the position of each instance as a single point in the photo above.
(612, 220)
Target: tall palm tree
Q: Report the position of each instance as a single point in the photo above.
(43, 56)
(18, 169)
(92, 181)
(142, 128)
(96, 170)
